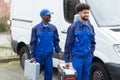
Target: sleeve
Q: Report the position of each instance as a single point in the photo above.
(33, 42)
(56, 42)
(93, 41)
(68, 44)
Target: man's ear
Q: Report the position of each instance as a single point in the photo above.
(43, 16)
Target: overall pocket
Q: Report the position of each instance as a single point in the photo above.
(78, 36)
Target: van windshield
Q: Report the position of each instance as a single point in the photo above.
(106, 12)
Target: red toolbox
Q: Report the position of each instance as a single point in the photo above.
(66, 73)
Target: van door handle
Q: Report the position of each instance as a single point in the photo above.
(64, 32)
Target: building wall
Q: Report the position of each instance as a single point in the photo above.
(4, 9)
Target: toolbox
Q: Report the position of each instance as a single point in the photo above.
(31, 70)
(66, 73)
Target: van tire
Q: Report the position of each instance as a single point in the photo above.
(24, 54)
(99, 72)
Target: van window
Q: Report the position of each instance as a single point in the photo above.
(69, 9)
(106, 12)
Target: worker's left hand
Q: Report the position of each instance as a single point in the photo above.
(60, 56)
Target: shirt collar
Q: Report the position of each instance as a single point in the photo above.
(82, 24)
(42, 25)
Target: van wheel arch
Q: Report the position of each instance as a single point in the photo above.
(20, 45)
(99, 71)
(24, 54)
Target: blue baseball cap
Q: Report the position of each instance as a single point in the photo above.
(45, 12)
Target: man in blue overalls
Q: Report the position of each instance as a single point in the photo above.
(44, 38)
(80, 42)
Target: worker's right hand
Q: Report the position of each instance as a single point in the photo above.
(67, 65)
(32, 60)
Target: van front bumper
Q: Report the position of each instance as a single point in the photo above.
(114, 70)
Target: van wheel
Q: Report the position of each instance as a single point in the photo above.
(98, 72)
(24, 54)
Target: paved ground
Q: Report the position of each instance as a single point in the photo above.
(5, 46)
(10, 68)
(4, 38)
(13, 71)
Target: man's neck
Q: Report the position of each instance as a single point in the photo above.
(45, 23)
(83, 21)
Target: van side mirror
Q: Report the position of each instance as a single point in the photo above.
(8, 22)
(76, 17)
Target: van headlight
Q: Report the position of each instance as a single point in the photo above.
(117, 48)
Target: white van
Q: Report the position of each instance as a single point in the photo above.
(104, 16)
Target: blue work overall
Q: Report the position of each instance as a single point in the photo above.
(80, 43)
(43, 41)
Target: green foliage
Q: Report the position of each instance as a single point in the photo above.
(3, 24)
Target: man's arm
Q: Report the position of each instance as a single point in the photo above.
(93, 41)
(56, 42)
(33, 42)
(69, 41)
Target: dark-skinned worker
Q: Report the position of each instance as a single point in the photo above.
(44, 39)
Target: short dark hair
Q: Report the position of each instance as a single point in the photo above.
(82, 6)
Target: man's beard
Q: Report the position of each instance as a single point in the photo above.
(48, 20)
(85, 18)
